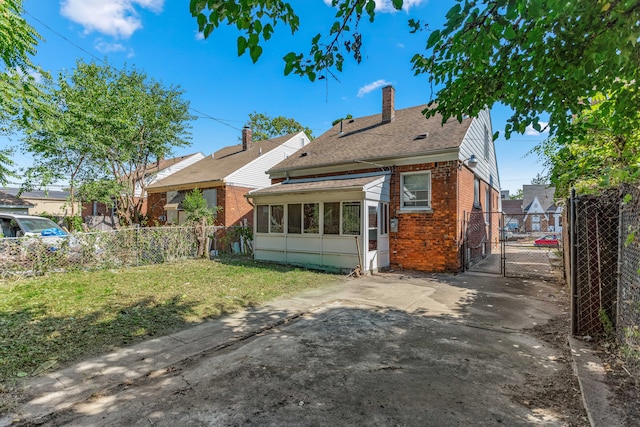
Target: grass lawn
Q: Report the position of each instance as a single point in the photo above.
(47, 322)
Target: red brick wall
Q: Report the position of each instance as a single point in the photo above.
(427, 241)
(155, 207)
(235, 207)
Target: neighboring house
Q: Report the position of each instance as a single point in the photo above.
(50, 202)
(539, 208)
(513, 215)
(156, 171)
(388, 190)
(12, 204)
(224, 178)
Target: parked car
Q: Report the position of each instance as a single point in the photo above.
(14, 225)
(548, 240)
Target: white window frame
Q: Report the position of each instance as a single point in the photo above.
(403, 193)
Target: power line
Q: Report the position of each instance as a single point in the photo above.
(105, 63)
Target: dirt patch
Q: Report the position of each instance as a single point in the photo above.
(625, 387)
(561, 392)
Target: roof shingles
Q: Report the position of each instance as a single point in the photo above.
(368, 139)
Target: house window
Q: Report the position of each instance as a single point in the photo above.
(262, 218)
(351, 218)
(294, 219)
(331, 218)
(311, 218)
(416, 190)
(211, 196)
(276, 220)
(476, 192)
(373, 228)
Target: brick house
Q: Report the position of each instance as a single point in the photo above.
(224, 178)
(388, 190)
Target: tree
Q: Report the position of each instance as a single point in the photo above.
(336, 121)
(107, 124)
(517, 195)
(200, 214)
(20, 92)
(544, 56)
(540, 179)
(265, 127)
(595, 158)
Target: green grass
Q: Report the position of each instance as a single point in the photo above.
(50, 321)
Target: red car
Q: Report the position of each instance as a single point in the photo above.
(548, 240)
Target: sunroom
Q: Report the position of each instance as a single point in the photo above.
(338, 223)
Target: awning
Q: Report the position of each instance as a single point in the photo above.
(174, 204)
(336, 183)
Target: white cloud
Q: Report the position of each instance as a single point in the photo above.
(532, 132)
(199, 35)
(117, 18)
(387, 5)
(371, 87)
(105, 47)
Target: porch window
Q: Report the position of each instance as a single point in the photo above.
(277, 219)
(294, 222)
(416, 190)
(262, 218)
(311, 218)
(331, 218)
(351, 218)
(373, 228)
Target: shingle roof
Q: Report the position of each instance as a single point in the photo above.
(337, 183)
(165, 163)
(7, 200)
(368, 139)
(37, 194)
(217, 167)
(512, 207)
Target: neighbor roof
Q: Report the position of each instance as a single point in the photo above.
(219, 165)
(512, 207)
(410, 134)
(9, 201)
(165, 163)
(37, 194)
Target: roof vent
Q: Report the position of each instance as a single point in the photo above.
(422, 136)
(304, 154)
(352, 120)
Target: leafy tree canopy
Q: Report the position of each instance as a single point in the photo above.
(544, 56)
(518, 195)
(18, 88)
(107, 124)
(336, 121)
(265, 127)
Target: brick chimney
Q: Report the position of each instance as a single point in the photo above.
(388, 104)
(247, 140)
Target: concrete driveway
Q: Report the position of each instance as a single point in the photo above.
(389, 349)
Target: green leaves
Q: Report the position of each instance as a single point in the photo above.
(265, 127)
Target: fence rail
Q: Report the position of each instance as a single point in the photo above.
(26, 256)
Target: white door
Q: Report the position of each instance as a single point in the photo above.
(377, 243)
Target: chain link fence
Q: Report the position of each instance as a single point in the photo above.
(27, 256)
(628, 297)
(604, 268)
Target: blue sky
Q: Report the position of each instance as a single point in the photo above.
(160, 38)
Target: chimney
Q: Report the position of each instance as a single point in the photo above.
(388, 104)
(247, 141)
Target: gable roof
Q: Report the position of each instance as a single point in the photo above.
(364, 139)
(165, 163)
(217, 166)
(543, 192)
(9, 201)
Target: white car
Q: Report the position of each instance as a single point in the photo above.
(14, 225)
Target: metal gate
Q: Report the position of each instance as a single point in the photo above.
(519, 245)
